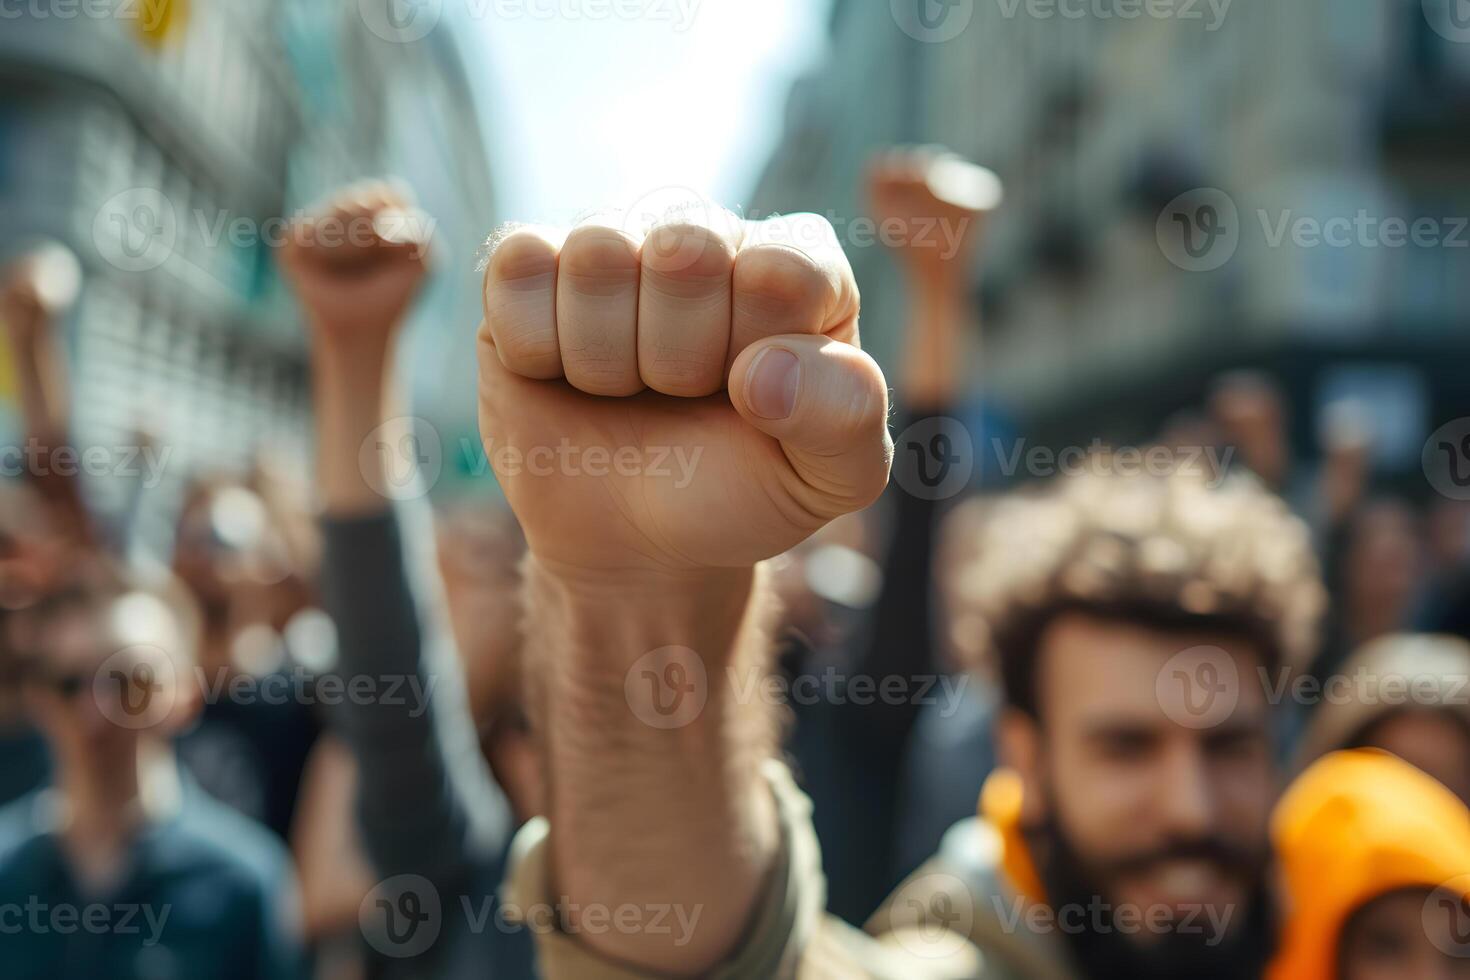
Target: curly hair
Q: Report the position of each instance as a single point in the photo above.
(1170, 551)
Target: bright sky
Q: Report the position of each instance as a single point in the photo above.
(591, 113)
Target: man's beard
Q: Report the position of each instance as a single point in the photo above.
(1191, 950)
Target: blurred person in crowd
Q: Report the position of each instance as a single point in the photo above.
(880, 808)
(124, 867)
(44, 519)
(1408, 694)
(36, 290)
(1117, 794)
(1110, 607)
(1445, 607)
(250, 744)
(336, 878)
(1374, 860)
(426, 803)
(1375, 567)
(30, 561)
(1250, 412)
(480, 551)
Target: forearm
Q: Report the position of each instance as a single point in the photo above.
(40, 382)
(349, 388)
(677, 817)
(940, 314)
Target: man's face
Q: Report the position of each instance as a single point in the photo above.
(1159, 817)
(1432, 741)
(90, 687)
(1400, 936)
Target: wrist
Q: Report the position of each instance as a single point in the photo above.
(635, 609)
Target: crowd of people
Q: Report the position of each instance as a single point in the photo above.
(774, 714)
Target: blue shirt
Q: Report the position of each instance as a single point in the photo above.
(205, 895)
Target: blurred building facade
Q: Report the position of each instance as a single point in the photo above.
(166, 143)
(1301, 142)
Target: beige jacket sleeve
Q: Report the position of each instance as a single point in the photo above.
(789, 912)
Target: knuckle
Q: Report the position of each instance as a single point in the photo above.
(523, 258)
(680, 372)
(598, 259)
(774, 279)
(688, 251)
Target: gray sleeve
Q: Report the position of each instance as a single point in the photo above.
(426, 802)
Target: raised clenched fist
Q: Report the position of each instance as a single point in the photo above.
(693, 397)
(358, 261)
(931, 205)
(37, 287)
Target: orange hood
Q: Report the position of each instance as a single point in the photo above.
(1000, 806)
(1354, 826)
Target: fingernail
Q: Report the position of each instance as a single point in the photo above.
(771, 390)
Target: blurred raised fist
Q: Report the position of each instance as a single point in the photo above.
(357, 263)
(37, 287)
(930, 205)
(688, 397)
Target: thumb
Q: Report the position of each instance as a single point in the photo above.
(826, 402)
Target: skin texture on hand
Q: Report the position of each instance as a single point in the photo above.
(733, 352)
(663, 413)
